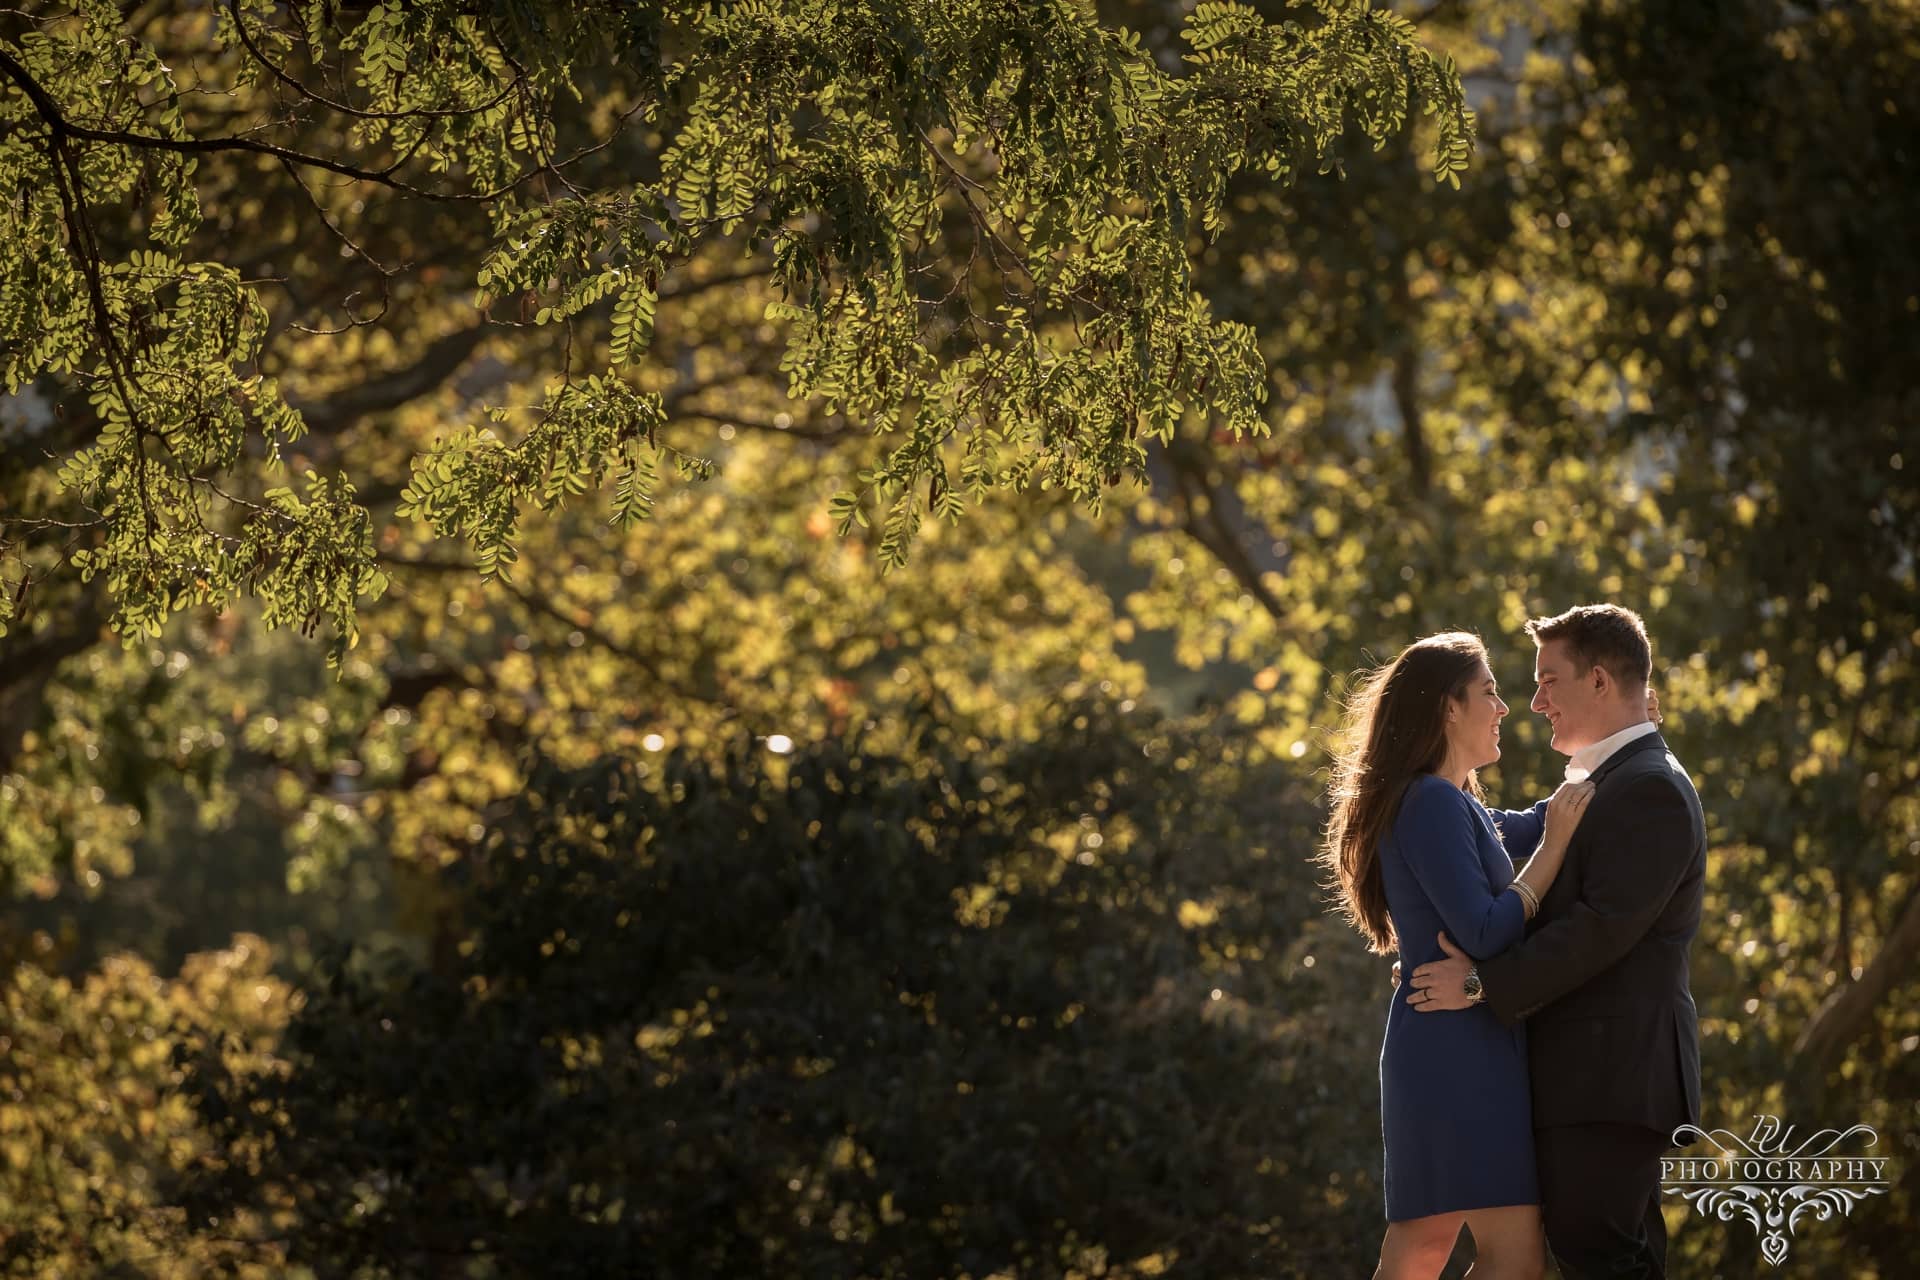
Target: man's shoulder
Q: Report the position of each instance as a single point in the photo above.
(1648, 753)
(1653, 777)
(1654, 767)
(1661, 762)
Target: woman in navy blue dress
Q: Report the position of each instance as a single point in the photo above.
(1415, 853)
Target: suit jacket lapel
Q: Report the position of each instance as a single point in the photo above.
(1645, 742)
(1565, 887)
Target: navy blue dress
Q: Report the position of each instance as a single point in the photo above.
(1455, 1113)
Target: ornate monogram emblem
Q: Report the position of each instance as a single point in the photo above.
(1758, 1178)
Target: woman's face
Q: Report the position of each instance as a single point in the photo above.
(1473, 722)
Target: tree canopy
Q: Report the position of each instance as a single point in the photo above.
(972, 221)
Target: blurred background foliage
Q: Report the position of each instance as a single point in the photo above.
(705, 901)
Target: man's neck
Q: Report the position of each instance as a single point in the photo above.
(1627, 721)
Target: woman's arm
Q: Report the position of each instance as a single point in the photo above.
(1651, 847)
(1438, 834)
(1563, 813)
(1520, 829)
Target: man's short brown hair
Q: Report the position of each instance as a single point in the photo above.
(1601, 635)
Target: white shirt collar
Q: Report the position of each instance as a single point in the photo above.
(1588, 758)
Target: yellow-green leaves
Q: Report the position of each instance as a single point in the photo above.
(976, 217)
(91, 1071)
(632, 331)
(474, 483)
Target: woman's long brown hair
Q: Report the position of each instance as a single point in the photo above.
(1395, 729)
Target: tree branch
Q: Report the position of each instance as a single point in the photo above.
(1406, 365)
(1203, 517)
(345, 109)
(575, 617)
(797, 431)
(441, 359)
(1406, 386)
(1846, 1014)
(61, 128)
(26, 667)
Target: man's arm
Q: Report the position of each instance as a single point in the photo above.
(1632, 870)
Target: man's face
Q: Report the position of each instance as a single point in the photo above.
(1566, 696)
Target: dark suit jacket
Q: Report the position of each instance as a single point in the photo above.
(1601, 976)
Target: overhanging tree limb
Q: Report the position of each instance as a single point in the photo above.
(574, 616)
(437, 362)
(1088, 176)
(26, 667)
(62, 127)
(1203, 517)
(1847, 1014)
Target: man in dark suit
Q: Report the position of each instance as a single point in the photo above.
(1601, 976)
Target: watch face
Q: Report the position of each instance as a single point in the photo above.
(1473, 986)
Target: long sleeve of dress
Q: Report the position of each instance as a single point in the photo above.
(1520, 829)
(1438, 833)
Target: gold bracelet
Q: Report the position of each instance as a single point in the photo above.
(1528, 900)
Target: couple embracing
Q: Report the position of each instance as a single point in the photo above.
(1541, 1046)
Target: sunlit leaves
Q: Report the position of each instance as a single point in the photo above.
(896, 161)
(90, 1071)
(475, 484)
(632, 330)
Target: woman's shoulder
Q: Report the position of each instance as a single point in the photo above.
(1430, 796)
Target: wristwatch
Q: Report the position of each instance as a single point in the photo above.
(1472, 985)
